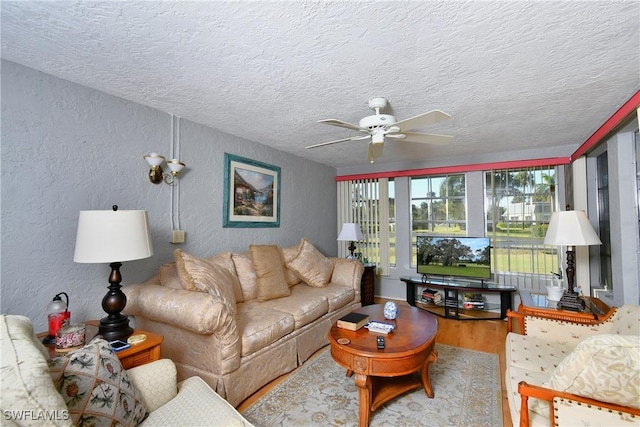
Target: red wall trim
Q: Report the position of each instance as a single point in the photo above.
(554, 161)
(615, 120)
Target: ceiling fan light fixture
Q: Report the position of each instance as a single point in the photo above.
(377, 126)
(377, 137)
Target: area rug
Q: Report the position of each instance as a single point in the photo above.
(466, 384)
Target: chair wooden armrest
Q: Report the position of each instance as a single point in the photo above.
(573, 404)
(515, 316)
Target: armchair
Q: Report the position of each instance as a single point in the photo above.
(574, 372)
(29, 397)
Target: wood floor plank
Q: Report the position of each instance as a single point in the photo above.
(480, 335)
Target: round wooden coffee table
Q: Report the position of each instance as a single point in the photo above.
(403, 365)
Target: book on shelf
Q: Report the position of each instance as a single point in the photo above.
(429, 295)
(473, 305)
(353, 321)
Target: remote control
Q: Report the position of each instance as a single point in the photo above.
(380, 342)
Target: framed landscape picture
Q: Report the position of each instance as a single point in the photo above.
(251, 193)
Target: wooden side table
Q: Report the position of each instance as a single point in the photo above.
(136, 355)
(367, 284)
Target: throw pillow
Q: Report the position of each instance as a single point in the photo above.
(210, 275)
(246, 275)
(26, 382)
(314, 268)
(288, 254)
(602, 367)
(169, 276)
(96, 388)
(269, 266)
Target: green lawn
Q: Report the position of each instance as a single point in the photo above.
(519, 260)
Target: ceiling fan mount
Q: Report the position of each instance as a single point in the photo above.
(378, 126)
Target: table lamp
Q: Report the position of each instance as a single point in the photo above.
(113, 237)
(350, 232)
(571, 229)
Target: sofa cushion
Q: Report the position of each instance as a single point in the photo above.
(269, 266)
(96, 388)
(305, 304)
(26, 383)
(210, 275)
(312, 266)
(528, 352)
(260, 325)
(603, 367)
(246, 275)
(337, 296)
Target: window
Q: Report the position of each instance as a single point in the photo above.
(518, 206)
(602, 183)
(438, 207)
(371, 204)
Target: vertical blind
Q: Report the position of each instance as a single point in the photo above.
(365, 202)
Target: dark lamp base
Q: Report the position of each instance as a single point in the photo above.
(571, 301)
(115, 328)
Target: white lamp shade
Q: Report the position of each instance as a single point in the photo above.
(175, 165)
(112, 236)
(154, 159)
(350, 232)
(570, 228)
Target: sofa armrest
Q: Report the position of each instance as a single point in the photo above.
(347, 272)
(197, 312)
(572, 408)
(157, 382)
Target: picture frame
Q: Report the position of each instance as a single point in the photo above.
(251, 193)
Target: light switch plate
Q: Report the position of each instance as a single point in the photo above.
(177, 236)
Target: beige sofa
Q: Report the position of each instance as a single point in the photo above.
(561, 373)
(29, 395)
(240, 320)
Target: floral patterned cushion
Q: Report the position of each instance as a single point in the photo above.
(603, 367)
(96, 388)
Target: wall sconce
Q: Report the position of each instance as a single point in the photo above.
(156, 174)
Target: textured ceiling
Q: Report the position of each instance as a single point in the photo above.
(514, 75)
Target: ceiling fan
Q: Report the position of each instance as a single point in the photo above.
(380, 126)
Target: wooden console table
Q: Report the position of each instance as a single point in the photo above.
(452, 308)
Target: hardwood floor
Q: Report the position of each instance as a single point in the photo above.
(480, 335)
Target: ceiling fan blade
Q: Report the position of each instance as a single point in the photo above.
(340, 123)
(353, 138)
(427, 138)
(421, 120)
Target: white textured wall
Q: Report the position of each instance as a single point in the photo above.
(67, 148)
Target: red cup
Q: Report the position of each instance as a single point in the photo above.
(57, 321)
